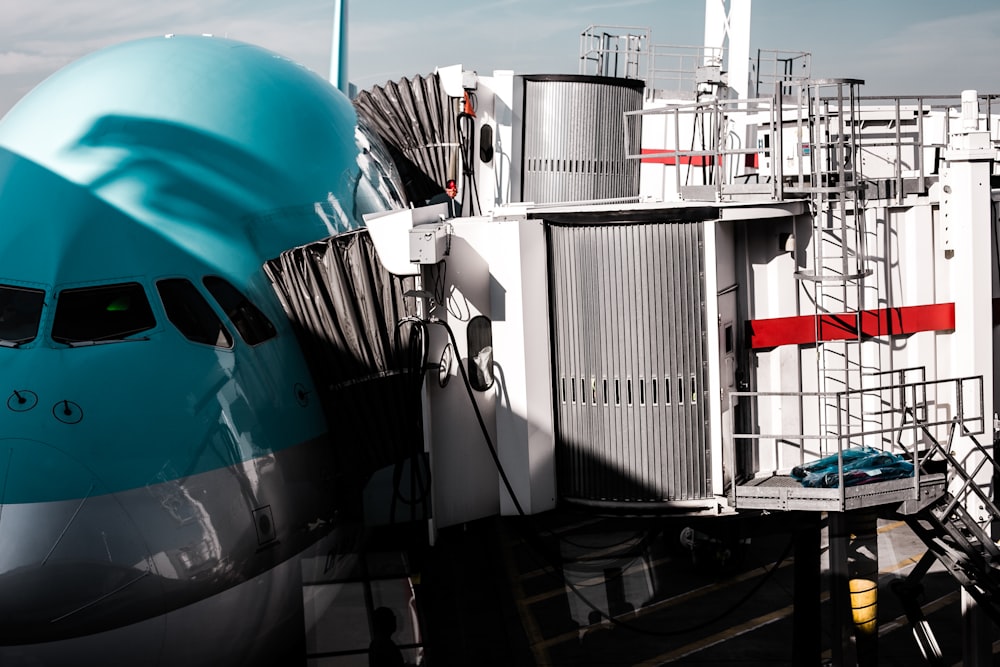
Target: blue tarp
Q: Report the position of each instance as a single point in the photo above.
(862, 465)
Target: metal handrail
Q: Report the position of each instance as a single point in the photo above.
(970, 420)
(799, 112)
(958, 469)
(716, 112)
(603, 45)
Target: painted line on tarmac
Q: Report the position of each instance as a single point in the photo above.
(927, 609)
(670, 602)
(902, 622)
(724, 636)
(785, 612)
(688, 596)
(890, 526)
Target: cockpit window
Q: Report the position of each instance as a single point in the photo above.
(188, 310)
(252, 325)
(20, 312)
(103, 313)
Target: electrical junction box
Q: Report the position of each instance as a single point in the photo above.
(429, 243)
(455, 80)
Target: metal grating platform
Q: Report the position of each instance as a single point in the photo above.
(781, 492)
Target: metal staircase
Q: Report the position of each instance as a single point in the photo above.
(834, 274)
(828, 173)
(953, 536)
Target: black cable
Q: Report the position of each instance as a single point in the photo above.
(441, 274)
(642, 542)
(418, 347)
(678, 159)
(466, 126)
(482, 422)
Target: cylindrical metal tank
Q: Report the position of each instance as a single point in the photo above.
(573, 138)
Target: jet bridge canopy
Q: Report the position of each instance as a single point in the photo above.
(351, 318)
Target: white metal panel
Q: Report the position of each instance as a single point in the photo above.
(463, 473)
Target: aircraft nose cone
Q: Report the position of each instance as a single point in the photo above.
(72, 561)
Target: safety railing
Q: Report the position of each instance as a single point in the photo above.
(783, 68)
(712, 150)
(616, 51)
(909, 419)
(703, 156)
(680, 68)
(903, 138)
(966, 473)
(628, 52)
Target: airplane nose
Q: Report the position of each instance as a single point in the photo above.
(72, 561)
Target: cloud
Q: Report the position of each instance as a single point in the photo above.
(392, 38)
(611, 4)
(482, 38)
(21, 62)
(940, 56)
(42, 35)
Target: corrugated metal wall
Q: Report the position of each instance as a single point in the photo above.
(574, 139)
(630, 362)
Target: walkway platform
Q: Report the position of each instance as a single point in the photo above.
(782, 492)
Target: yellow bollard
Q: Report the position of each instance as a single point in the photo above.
(864, 605)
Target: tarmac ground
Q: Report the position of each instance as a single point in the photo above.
(568, 588)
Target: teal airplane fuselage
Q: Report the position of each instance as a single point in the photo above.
(162, 458)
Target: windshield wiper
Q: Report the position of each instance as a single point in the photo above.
(100, 341)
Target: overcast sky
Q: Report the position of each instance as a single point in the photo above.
(897, 46)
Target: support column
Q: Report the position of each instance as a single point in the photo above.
(863, 584)
(807, 625)
(854, 587)
(966, 219)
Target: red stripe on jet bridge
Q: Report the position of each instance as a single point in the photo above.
(669, 157)
(807, 329)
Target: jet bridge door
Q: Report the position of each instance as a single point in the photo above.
(628, 315)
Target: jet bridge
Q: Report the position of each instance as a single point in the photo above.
(685, 354)
(612, 330)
